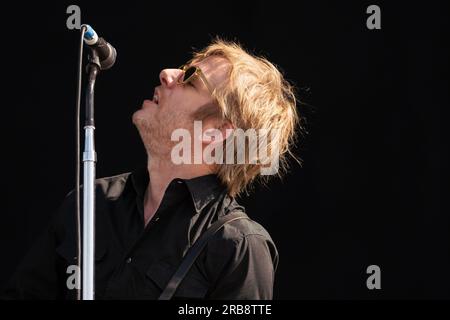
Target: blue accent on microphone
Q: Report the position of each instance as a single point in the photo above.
(104, 51)
(89, 34)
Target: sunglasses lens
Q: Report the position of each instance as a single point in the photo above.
(188, 73)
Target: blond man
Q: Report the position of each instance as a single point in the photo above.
(148, 219)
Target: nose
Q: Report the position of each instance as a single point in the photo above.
(169, 77)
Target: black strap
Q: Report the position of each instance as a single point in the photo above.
(194, 252)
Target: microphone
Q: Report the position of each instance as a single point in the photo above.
(106, 52)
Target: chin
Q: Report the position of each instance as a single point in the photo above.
(140, 123)
(139, 118)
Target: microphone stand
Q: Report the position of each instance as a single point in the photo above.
(89, 161)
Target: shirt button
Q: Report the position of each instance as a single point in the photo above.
(157, 218)
(129, 260)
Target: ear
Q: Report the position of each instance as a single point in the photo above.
(217, 133)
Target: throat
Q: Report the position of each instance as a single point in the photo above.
(148, 215)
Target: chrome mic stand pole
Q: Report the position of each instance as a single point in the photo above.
(89, 161)
(102, 57)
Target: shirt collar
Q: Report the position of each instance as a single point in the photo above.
(203, 189)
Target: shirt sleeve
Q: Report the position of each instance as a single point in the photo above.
(40, 274)
(249, 272)
(35, 277)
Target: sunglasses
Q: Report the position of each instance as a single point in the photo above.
(190, 72)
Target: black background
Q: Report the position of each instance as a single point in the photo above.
(374, 180)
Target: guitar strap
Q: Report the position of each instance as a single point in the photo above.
(194, 251)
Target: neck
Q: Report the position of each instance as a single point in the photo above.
(161, 172)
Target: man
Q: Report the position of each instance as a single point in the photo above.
(148, 219)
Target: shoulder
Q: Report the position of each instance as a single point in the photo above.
(112, 186)
(240, 229)
(107, 188)
(240, 236)
(241, 245)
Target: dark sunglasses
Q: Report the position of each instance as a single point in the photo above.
(190, 72)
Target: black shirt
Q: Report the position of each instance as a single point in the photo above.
(134, 261)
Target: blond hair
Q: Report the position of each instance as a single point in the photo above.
(255, 96)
